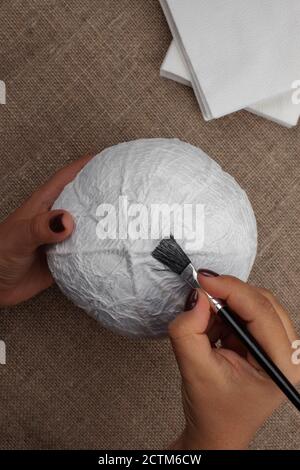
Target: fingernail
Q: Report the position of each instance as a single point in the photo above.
(56, 224)
(191, 301)
(207, 273)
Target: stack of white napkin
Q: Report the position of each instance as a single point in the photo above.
(237, 54)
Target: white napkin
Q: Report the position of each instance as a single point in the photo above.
(280, 109)
(238, 52)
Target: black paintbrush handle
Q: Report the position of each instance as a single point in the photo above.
(261, 356)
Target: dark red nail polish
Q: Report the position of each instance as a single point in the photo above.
(207, 273)
(56, 224)
(191, 301)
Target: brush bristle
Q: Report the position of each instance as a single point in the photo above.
(169, 253)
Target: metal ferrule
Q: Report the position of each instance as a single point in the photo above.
(190, 276)
(216, 304)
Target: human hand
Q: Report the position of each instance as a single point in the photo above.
(226, 394)
(23, 235)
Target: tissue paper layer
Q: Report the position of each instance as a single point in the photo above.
(279, 109)
(116, 280)
(238, 52)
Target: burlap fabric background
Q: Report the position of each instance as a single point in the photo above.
(82, 75)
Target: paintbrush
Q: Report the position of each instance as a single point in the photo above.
(170, 254)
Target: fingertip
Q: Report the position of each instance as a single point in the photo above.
(192, 300)
(205, 278)
(68, 223)
(86, 158)
(196, 301)
(219, 285)
(61, 223)
(202, 311)
(209, 283)
(202, 305)
(192, 321)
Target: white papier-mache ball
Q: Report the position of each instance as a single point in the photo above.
(116, 279)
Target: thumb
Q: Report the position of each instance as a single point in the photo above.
(190, 342)
(47, 228)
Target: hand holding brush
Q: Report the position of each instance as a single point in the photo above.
(231, 384)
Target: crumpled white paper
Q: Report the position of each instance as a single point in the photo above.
(117, 281)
